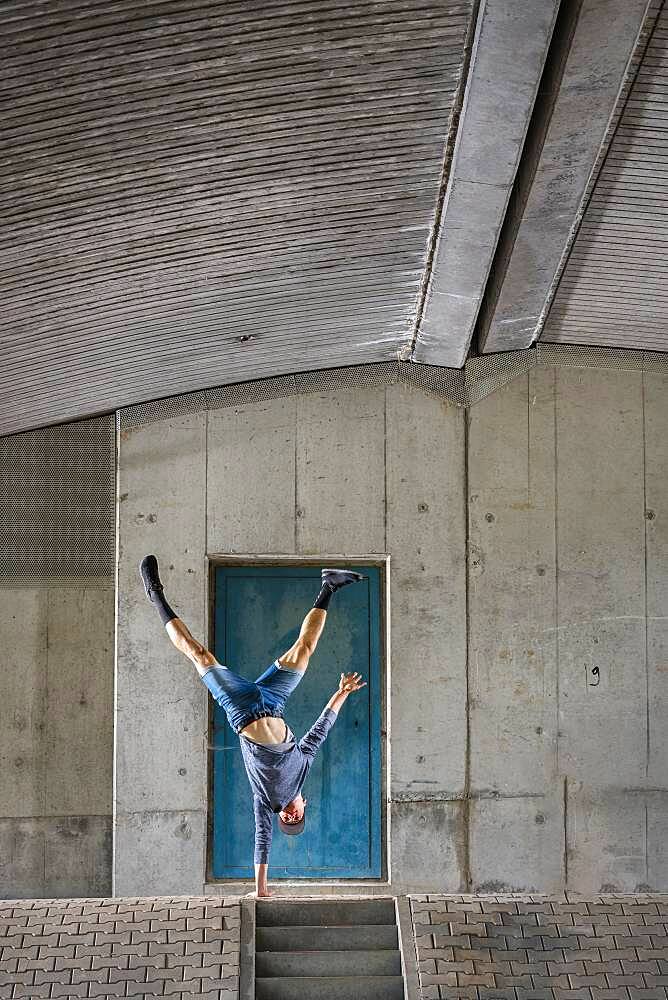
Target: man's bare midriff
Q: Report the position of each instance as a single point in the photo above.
(267, 730)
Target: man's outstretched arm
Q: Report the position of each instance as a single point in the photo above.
(347, 684)
(263, 834)
(315, 737)
(261, 888)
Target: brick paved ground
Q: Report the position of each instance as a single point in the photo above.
(179, 947)
(542, 948)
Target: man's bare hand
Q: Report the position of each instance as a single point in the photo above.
(351, 682)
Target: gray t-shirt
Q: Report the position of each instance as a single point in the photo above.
(277, 773)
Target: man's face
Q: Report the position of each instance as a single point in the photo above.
(294, 811)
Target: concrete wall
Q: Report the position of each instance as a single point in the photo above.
(513, 765)
(569, 562)
(56, 742)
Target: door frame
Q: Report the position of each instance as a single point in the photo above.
(382, 563)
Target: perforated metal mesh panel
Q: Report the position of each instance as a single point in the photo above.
(57, 503)
(359, 377)
(445, 382)
(484, 374)
(580, 356)
(461, 386)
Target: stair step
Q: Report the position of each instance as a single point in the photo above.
(364, 938)
(327, 963)
(330, 913)
(330, 988)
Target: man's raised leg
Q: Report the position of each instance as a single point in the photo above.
(301, 651)
(297, 657)
(176, 630)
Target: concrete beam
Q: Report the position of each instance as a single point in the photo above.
(509, 51)
(589, 67)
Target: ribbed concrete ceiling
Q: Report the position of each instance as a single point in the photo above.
(614, 288)
(197, 193)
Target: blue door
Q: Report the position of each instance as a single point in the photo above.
(258, 612)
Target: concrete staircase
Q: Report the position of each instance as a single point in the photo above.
(330, 950)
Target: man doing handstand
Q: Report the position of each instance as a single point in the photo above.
(276, 763)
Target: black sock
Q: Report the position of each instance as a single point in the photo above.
(324, 597)
(164, 610)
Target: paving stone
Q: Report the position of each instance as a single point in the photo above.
(497, 968)
(510, 982)
(604, 968)
(106, 990)
(507, 930)
(139, 937)
(610, 994)
(448, 941)
(94, 950)
(588, 981)
(465, 980)
(69, 990)
(472, 954)
(112, 936)
(209, 935)
(608, 954)
(122, 975)
(464, 967)
(445, 979)
(32, 992)
(631, 968)
(566, 968)
(551, 982)
(65, 938)
(545, 956)
(459, 992)
(495, 993)
(140, 990)
(46, 976)
(582, 955)
(637, 981)
(529, 968)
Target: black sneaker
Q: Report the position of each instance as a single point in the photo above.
(336, 578)
(150, 576)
